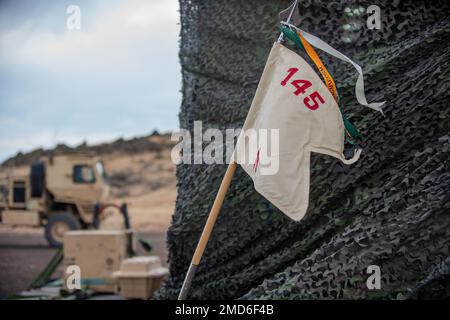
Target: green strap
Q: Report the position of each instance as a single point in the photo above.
(83, 281)
(49, 269)
(293, 36)
(351, 129)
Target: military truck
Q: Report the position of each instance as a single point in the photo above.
(59, 192)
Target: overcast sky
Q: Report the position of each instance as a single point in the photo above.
(118, 76)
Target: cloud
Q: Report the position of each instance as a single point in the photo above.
(118, 76)
(132, 29)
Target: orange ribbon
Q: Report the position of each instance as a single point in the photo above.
(329, 82)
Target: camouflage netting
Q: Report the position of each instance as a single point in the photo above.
(391, 208)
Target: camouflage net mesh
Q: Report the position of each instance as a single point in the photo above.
(391, 208)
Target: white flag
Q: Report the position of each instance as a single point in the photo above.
(292, 115)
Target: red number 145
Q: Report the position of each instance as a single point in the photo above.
(301, 85)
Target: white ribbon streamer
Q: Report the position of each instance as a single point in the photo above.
(359, 87)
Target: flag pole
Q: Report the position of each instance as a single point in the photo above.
(226, 181)
(217, 205)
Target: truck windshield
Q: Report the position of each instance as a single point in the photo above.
(100, 169)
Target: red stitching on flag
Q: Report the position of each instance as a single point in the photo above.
(255, 165)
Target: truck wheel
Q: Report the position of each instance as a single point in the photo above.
(57, 225)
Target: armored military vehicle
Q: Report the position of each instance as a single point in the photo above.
(59, 192)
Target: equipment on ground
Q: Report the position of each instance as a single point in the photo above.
(97, 254)
(140, 277)
(106, 263)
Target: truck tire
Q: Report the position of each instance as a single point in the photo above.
(57, 224)
(37, 176)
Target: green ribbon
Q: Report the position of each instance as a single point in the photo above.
(293, 36)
